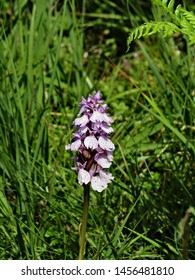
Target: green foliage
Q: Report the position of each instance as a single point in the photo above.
(181, 20)
(52, 53)
(167, 28)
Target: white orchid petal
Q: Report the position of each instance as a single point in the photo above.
(83, 177)
(106, 144)
(107, 118)
(103, 162)
(75, 145)
(97, 116)
(107, 129)
(97, 184)
(82, 121)
(68, 147)
(106, 177)
(101, 117)
(91, 142)
(83, 130)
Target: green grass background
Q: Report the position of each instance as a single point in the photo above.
(51, 54)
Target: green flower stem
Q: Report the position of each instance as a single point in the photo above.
(84, 222)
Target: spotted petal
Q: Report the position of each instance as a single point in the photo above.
(100, 183)
(97, 116)
(75, 145)
(106, 177)
(91, 142)
(103, 161)
(97, 184)
(82, 121)
(100, 117)
(106, 144)
(83, 177)
(68, 147)
(107, 128)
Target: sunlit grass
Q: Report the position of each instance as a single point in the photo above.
(52, 53)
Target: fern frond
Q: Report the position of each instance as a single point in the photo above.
(149, 28)
(178, 14)
(168, 7)
(181, 21)
(187, 23)
(188, 16)
(192, 39)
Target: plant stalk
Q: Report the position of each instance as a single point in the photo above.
(82, 241)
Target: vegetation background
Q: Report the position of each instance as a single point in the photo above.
(51, 54)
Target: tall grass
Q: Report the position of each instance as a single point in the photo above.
(52, 53)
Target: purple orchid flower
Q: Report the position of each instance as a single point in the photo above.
(92, 143)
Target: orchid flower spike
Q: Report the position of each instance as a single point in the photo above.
(92, 143)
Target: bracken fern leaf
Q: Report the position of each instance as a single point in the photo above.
(150, 28)
(168, 7)
(181, 21)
